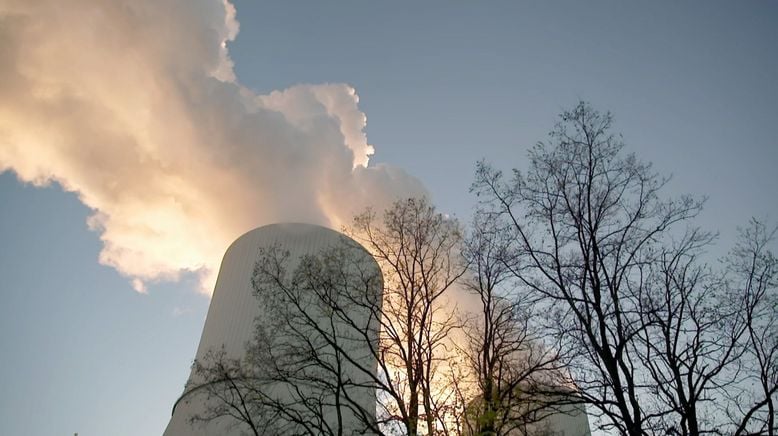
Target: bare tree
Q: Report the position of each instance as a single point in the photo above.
(509, 358)
(655, 338)
(310, 368)
(418, 250)
(710, 338)
(690, 343)
(334, 337)
(231, 390)
(754, 279)
(592, 290)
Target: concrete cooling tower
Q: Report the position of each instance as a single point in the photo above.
(237, 307)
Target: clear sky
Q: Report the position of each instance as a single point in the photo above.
(692, 85)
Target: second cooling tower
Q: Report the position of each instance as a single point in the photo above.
(268, 278)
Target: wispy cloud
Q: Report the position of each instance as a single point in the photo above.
(179, 311)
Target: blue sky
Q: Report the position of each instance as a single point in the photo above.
(692, 87)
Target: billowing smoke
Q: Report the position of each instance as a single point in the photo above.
(134, 106)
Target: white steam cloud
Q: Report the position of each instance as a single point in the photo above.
(134, 106)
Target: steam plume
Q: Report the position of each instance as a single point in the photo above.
(134, 106)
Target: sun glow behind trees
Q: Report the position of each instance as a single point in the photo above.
(592, 295)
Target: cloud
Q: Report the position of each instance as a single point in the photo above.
(134, 105)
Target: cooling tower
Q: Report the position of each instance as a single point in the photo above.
(235, 310)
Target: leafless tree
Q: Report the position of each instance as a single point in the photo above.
(656, 339)
(593, 291)
(511, 362)
(690, 344)
(753, 272)
(309, 369)
(231, 390)
(334, 335)
(710, 338)
(418, 250)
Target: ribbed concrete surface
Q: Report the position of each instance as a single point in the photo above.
(233, 309)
